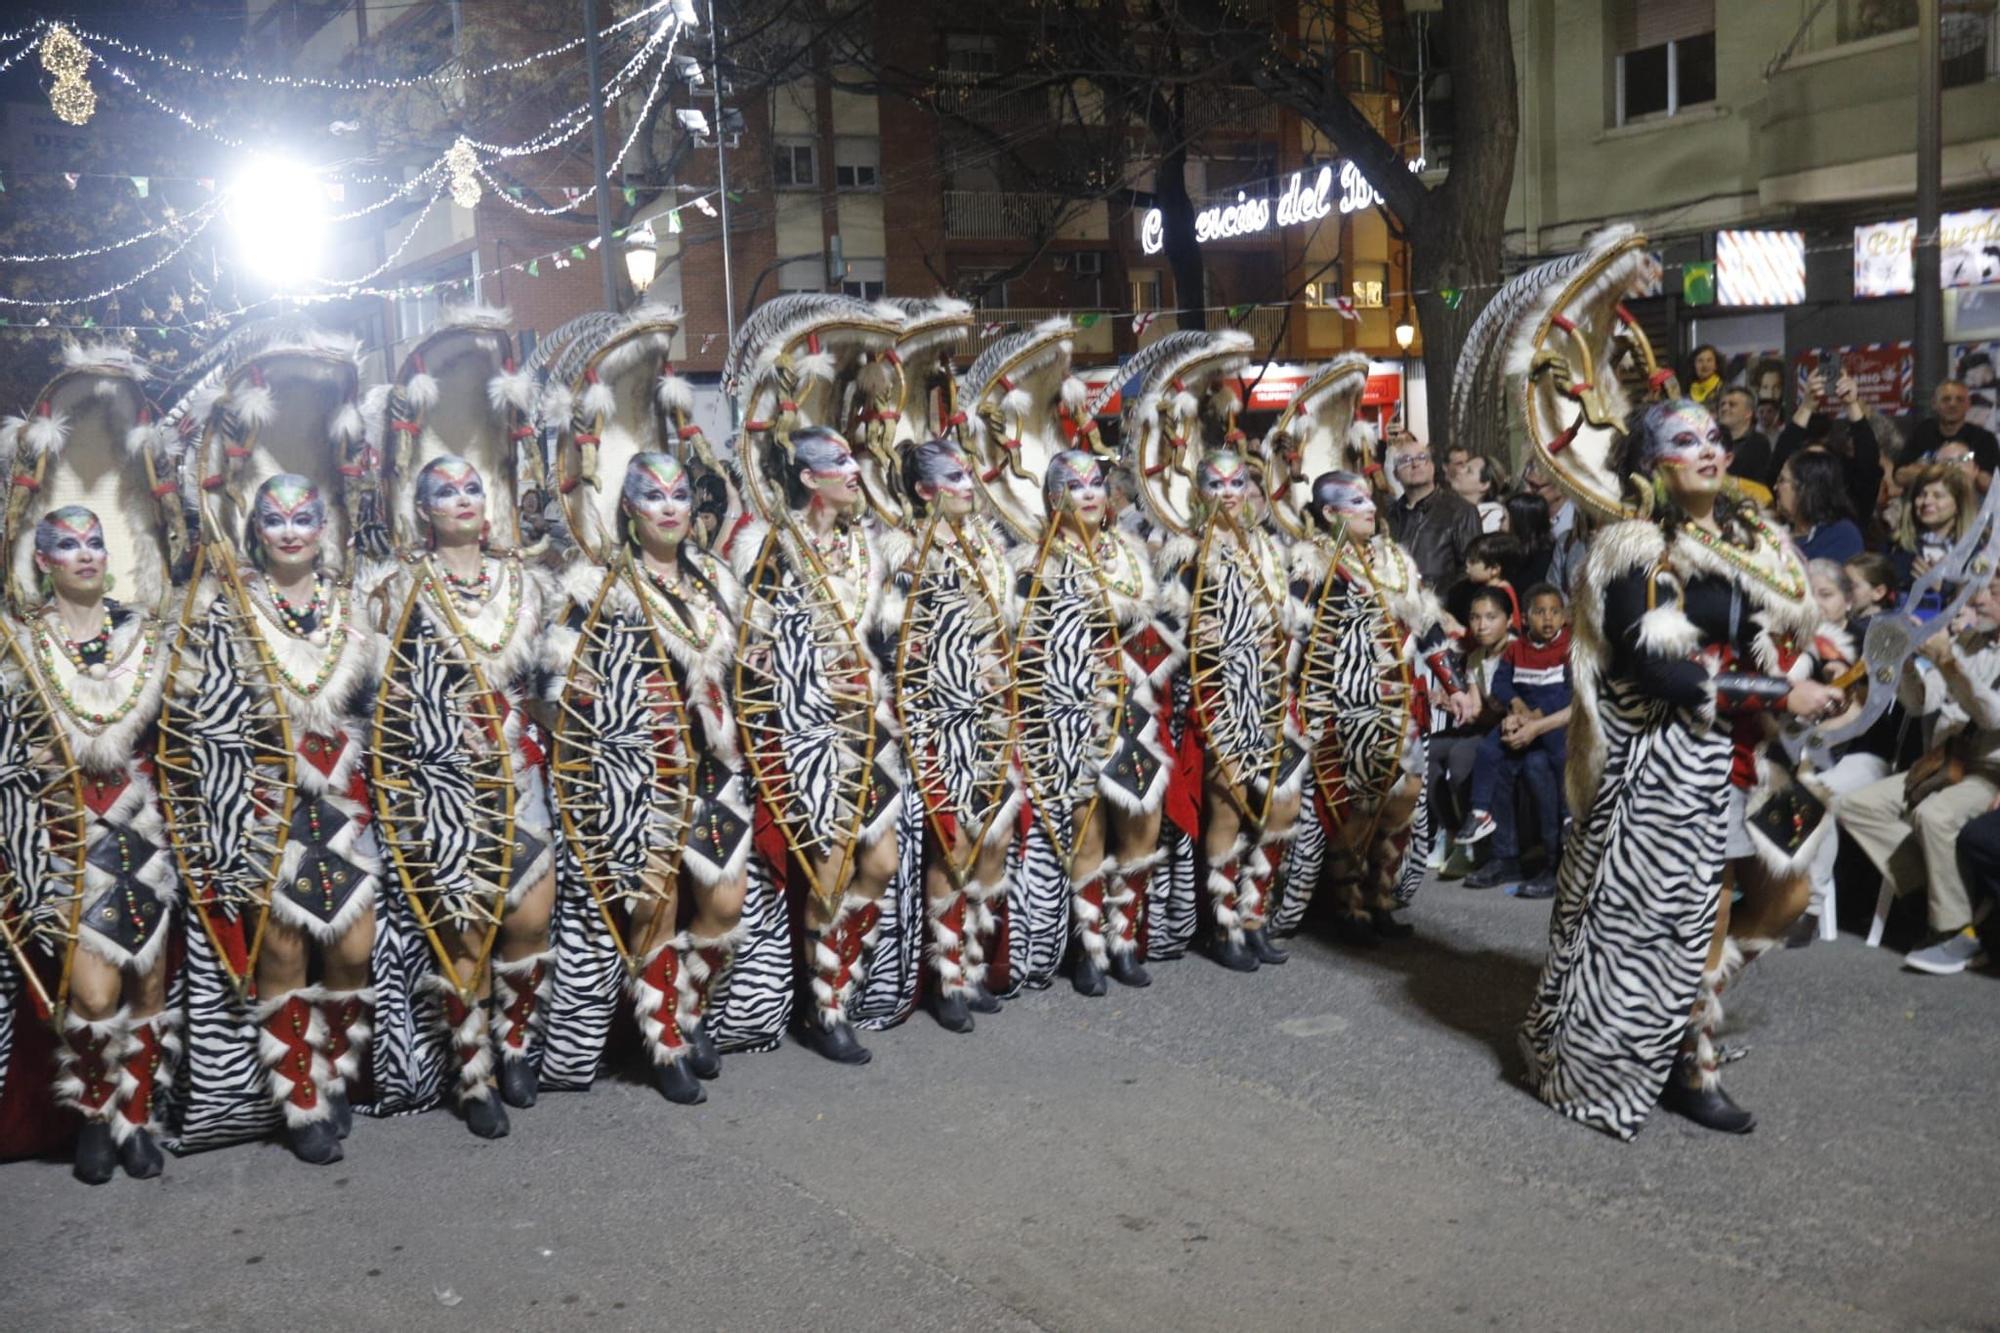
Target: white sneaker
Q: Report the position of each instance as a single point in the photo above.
(1948, 956)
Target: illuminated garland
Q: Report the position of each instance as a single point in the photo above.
(68, 59)
(463, 164)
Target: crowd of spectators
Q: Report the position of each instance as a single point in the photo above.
(1872, 505)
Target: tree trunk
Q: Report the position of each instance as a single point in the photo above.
(1458, 252)
(1183, 252)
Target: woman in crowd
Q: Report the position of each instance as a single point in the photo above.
(1527, 521)
(1938, 508)
(1704, 373)
(1811, 498)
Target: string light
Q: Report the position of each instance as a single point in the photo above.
(349, 85)
(117, 287)
(463, 163)
(68, 59)
(201, 214)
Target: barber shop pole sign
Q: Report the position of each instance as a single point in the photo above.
(1885, 374)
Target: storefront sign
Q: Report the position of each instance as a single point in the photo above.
(1760, 267)
(1885, 374)
(1969, 253)
(1302, 201)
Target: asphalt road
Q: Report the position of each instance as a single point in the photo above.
(1335, 1144)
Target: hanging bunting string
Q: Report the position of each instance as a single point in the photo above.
(200, 217)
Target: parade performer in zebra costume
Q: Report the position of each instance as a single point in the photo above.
(1368, 616)
(1694, 627)
(817, 641)
(1087, 663)
(88, 886)
(956, 701)
(647, 769)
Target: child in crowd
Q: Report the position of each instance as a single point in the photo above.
(1533, 685)
(1454, 751)
(1871, 588)
(1488, 559)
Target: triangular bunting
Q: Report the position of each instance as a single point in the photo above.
(1089, 319)
(534, 268)
(143, 184)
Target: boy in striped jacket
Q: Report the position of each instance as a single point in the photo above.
(1533, 685)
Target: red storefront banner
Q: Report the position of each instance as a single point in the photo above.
(1884, 373)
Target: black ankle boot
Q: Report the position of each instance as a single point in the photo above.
(1260, 944)
(1232, 954)
(982, 1001)
(486, 1117)
(518, 1082)
(1711, 1108)
(837, 1043)
(1127, 970)
(702, 1057)
(96, 1159)
(1390, 926)
(1086, 977)
(316, 1143)
(951, 1011)
(677, 1083)
(1356, 928)
(140, 1155)
(342, 1113)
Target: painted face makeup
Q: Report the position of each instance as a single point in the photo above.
(70, 549)
(658, 496)
(290, 518)
(453, 497)
(1346, 495)
(1225, 482)
(953, 483)
(1075, 486)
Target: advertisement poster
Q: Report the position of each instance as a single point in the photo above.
(1969, 253)
(1885, 373)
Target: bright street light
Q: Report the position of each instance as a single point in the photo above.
(1406, 333)
(278, 209)
(642, 259)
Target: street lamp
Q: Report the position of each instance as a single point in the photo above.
(642, 259)
(1406, 333)
(278, 209)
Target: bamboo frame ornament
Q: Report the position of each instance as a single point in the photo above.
(1206, 646)
(66, 821)
(1310, 437)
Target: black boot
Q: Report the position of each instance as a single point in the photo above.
(519, 1083)
(140, 1155)
(981, 1000)
(837, 1043)
(1356, 928)
(1390, 926)
(1232, 954)
(1710, 1107)
(96, 1159)
(1127, 970)
(951, 1012)
(702, 1057)
(677, 1083)
(1085, 976)
(486, 1117)
(1260, 944)
(316, 1142)
(342, 1114)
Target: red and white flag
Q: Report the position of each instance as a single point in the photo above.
(988, 330)
(1144, 320)
(1345, 305)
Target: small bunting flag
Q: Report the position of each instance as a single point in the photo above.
(514, 190)
(576, 252)
(1453, 297)
(1345, 305)
(674, 222)
(1088, 320)
(1237, 312)
(70, 177)
(143, 184)
(534, 268)
(631, 196)
(1143, 320)
(593, 243)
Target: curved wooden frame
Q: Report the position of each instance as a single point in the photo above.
(1017, 508)
(1285, 468)
(1158, 456)
(71, 819)
(1202, 644)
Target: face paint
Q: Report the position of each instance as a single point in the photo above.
(70, 549)
(453, 498)
(290, 518)
(1225, 482)
(951, 482)
(1076, 486)
(658, 496)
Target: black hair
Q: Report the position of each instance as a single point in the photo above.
(808, 443)
(1543, 590)
(1528, 521)
(1492, 593)
(1819, 488)
(1497, 549)
(921, 464)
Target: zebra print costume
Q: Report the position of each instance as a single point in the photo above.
(1641, 878)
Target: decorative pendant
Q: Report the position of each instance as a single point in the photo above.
(96, 671)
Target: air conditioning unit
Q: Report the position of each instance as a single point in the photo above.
(1089, 263)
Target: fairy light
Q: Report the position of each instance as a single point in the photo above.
(144, 273)
(200, 215)
(68, 59)
(463, 164)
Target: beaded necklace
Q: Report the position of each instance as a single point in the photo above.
(973, 550)
(1105, 553)
(330, 634)
(845, 559)
(1787, 578)
(300, 623)
(89, 654)
(449, 586)
(52, 655)
(475, 590)
(678, 609)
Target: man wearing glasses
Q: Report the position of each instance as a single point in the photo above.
(1429, 521)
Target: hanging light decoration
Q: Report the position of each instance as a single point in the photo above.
(67, 59)
(462, 161)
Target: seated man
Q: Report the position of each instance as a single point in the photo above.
(1909, 823)
(1533, 685)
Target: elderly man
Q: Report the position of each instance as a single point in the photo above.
(1428, 520)
(1909, 823)
(1749, 452)
(1952, 404)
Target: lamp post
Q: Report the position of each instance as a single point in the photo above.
(642, 260)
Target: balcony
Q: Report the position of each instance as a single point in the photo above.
(976, 97)
(1001, 215)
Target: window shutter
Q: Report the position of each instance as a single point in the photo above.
(1643, 23)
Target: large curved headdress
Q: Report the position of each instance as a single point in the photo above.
(1310, 437)
(1554, 346)
(812, 360)
(91, 439)
(1021, 405)
(1187, 402)
(933, 331)
(613, 394)
(459, 391)
(285, 399)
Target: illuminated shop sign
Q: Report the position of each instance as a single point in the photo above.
(1760, 267)
(1300, 202)
(1968, 244)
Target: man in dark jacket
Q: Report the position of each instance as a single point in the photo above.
(1749, 452)
(1430, 522)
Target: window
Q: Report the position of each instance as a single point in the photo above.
(796, 164)
(857, 164)
(866, 278)
(426, 295)
(1322, 293)
(1146, 293)
(806, 273)
(1370, 287)
(1666, 60)
(977, 285)
(972, 53)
